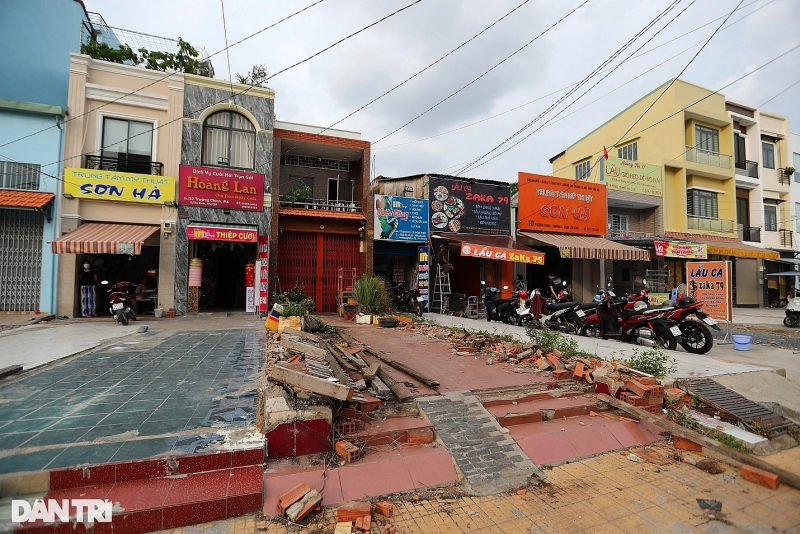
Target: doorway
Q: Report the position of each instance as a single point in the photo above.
(224, 262)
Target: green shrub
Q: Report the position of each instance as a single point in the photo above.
(371, 296)
(293, 309)
(295, 296)
(653, 362)
(553, 339)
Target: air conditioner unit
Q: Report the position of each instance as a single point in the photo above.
(166, 228)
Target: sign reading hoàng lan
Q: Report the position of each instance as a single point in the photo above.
(97, 184)
(632, 176)
(212, 187)
(548, 204)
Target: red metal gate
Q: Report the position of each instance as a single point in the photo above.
(313, 260)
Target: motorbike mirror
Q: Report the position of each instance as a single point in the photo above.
(505, 287)
(644, 282)
(564, 284)
(483, 283)
(104, 282)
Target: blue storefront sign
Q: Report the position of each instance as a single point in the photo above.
(401, 219)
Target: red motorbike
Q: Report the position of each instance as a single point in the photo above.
(638, 324)
(695, 333)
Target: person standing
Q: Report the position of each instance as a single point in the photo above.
(88, 280)
(552, 285)
(444, 263)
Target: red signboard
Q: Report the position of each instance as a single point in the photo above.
(502, 254)
(548, 204)
(210, 187)
(263, 272)
(672, 249)
(213, 233)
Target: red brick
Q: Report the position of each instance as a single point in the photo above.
(562, 374)
(637, 388)
(363, 523)
(348, 452)
(578, 372)
(630, 398)
(651, 409)
(655, 401)
(351, 511)
(346, 427)
(419, 435)
(552, 360)
(760, 477)
(384, 508)
(292, 496)
(647, 381)
(684, 444)
(465, 349)
(520, 418)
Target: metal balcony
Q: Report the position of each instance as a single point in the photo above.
(701, 155)
(751, 234)
(748, 168)
(783, 178)
(123, 165)
(786, 238)
(321, 204)
(710, 225)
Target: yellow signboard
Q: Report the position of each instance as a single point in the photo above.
(633, 176)
(657, 299)
(98, 184)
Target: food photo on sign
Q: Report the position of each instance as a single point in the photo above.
(470, 207)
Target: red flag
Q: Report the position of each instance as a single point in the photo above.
(605, 152)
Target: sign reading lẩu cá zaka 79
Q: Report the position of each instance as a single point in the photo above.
(211, 187)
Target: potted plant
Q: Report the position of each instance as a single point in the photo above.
(298, 194)
(371, 297)
(788, 171)
(296, 305)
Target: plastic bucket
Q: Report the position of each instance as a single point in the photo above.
(158, 312)
(741, 342)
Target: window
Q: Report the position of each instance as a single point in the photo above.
(130, 143)
(19, 175)
(743, 211)
(619, 223)
(702, 204)
(770, 218)
(739, 148)
(768, 155)
(229, 140)
(706, 138)
(316, 163)
(629, 152)
(796, 165)
(582, 170)
(797, 217)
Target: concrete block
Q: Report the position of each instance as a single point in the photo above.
(686, 445)
(760, 477)
(351, 511)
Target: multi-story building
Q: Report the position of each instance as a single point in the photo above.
(33, 104)
(680, 155)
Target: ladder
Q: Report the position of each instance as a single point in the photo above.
(441, 291)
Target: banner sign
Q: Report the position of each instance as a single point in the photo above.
(502, 254)
(95, 184)
(210, 187)
(657, 299)
(633, 176)
(548, 204)
(674, 249)
(710, 282)
(401, 219)
(263, 272)
(212, 233)
(470, 208)
(423, 276)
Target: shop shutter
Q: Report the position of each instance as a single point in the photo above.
(297, 261)
(20, 260)
(339, 252)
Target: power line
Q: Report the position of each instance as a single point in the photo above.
(227, 48)
(167, 75)
(779, 94)
(484, 73)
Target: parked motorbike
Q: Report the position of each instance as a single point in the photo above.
(406, 300)
(490, 297)
(695, 334)
(640, 325)
(121, 302)
(792, 319)
(566, 317)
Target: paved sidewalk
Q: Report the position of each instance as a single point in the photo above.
(486, 454)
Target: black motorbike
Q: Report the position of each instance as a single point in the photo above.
(406, 300)
(121, 301)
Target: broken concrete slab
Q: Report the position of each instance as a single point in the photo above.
(311, 383)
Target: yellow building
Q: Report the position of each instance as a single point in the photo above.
(670, 177)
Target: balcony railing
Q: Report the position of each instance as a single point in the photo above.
(626, 234)
(786, 238)
(751, 234)
(321, 204)
(711, 225)
(123, 165)
(783, 178)
(701, 155)
(748, 168)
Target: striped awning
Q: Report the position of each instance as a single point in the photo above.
(587, 248)
(728, 246)
(97, 238)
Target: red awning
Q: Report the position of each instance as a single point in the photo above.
(502, 248)
(97, 238)
(12, 198)
(588, 248)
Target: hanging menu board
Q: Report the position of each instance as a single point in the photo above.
(469, 207)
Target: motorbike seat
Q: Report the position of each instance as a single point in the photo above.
(589, 305)
(555, 306)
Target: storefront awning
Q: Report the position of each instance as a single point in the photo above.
(588, 248)
(728, 246)
(501, 248)
(328, 214)
(97, 238)
(12, 198)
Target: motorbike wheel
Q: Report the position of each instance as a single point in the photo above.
(122, 317)
(415, 307)
(505, 317)
(791, 321)
(523, 320)
(695, 337)
(573, 327)
(665, 339)
(133, 314)
(591, 330)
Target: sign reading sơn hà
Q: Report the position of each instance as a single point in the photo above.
(97, 184)
(213, 233)
(673, 249)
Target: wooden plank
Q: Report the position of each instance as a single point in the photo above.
(358, 363)
(372, 371)
(385, 358)
(391, 383)
(790, 479)
(317, 385)
(381, 389)
(299, 333)
(303, 348)
(342, 361)
(338, 372)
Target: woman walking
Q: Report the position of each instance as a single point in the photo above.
(88, 279)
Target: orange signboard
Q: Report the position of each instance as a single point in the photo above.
(548, 204)
(502, 254)
(710, 283)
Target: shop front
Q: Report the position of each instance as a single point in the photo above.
(401, 227)
(119, 224)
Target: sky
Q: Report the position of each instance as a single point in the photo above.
(332, 85)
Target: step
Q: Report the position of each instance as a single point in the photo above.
(394, 429)
(154, 494)
(538, 407)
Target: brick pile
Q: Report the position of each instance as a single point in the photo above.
(299, 501)
(645, 393)
(356, 516)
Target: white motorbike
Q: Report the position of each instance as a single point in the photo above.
(792, 319)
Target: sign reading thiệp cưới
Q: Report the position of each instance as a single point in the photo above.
(212, 187)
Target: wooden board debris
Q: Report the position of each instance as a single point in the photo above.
(299, 333)
(316, 385)
(304, 348)
(372, 372)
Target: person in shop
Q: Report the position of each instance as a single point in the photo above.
(441, 258)
(88, 279)
(552, 285)
(143, 293)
